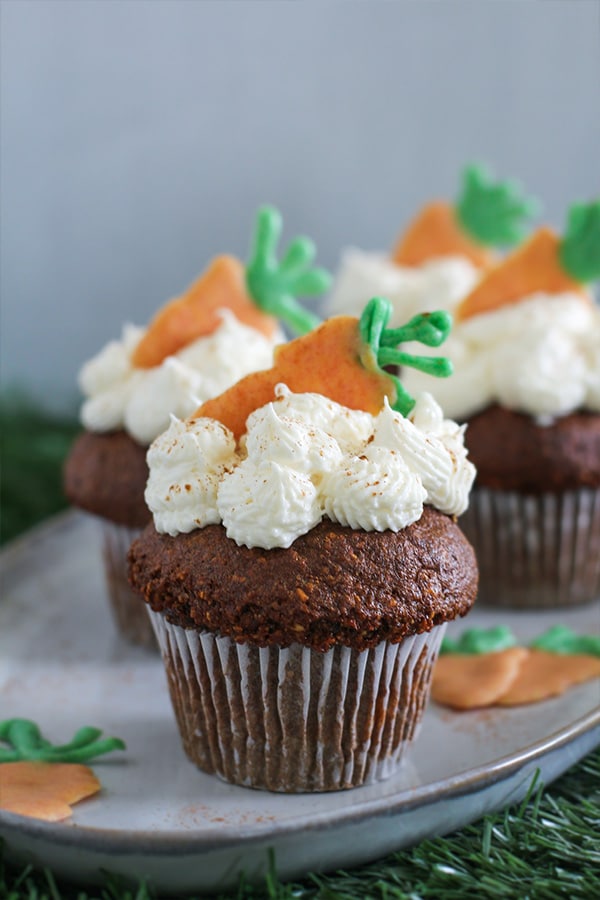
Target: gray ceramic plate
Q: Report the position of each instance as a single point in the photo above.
(159, 818)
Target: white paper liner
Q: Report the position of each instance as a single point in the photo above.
(127, 607)
(295, 719)
(535, 551)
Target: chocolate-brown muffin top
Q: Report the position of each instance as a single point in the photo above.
(106, 474)
(334, 585)
(512, 452)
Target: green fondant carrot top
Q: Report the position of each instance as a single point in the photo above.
(557, 639)
(494, 213)
(430, 329)
(579, 249)
(488, 213)
(275, 285)
(25, 742)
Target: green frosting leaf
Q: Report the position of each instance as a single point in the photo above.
(381, 343)
(480, 640)
(493, 213)
(560, 639)
(557, 639)
(26, 743)
(579, 250)
(275, 285)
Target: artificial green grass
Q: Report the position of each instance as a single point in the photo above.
(545, 848)
(33, 446)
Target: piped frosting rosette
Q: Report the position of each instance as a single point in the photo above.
(140, 400)
(540, 356)
(304, 457)
(304, 454)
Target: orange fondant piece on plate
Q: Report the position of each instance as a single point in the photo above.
(465, 681)
(544, 675)
(196, 313)
(329, 360)
(534, 267)
(436, 232)
(45, 790)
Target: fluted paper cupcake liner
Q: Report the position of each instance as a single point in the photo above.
(295, 719)
(127, 607)
(535, 551)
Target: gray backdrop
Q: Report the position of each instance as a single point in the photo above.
(139, 136)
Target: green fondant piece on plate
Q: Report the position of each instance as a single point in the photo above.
(480, 640)
(560, 639)
(25, 742)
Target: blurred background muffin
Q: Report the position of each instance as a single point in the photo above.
(526, 355)
(195, 347)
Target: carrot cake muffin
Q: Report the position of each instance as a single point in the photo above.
(304, 558)
(526, 355)
(196, 346)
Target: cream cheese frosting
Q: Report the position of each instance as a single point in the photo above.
(540, 356)
(119, 395)
(437, 284)
(305, 457)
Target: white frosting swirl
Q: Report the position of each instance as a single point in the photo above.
(293, 442)
(118, 395)
(375, 491)
(349, 427)
(186, 463)
(539, 356)
(305, 457)
(432, 446)
(265, 504)
(437, 284)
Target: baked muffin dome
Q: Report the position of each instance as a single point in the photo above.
(334, 586)
(511, 451)
(105, 474)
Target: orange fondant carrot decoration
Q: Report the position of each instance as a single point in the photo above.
(196, 313)
(534, 267)
(546, 263)
(544, 675)
(471, 681)
(327, 360)
(259, 294)
(341, 359)
(44, 790)
(486, 214)
(436, 232)
(484, 667)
